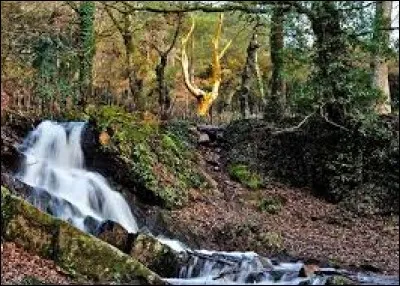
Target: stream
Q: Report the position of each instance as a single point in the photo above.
(54, 166)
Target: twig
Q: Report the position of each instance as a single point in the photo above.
(331, 122)
(292, 129)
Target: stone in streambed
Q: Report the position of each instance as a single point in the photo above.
(114, 234)
(339, 280)
(308, 270)
(157, 256)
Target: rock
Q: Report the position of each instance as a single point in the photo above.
(217, 169)
(339, 280)
(203, 139)
(114, 234)
(158, 257)
(308, 270)
(370, 268)
(74, 251)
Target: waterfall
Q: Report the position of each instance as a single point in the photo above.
(54, 166)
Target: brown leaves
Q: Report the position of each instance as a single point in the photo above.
(16, 264)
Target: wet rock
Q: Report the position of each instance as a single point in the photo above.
(74, 251)
(308, 270)
(203, 139)
(339, 280)
(158, 257)
(370, 268)
(114, 234)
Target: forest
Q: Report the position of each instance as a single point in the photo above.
(200, 142)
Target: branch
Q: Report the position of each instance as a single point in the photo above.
(178, 26)
(292, 129)
(73, 6)
(197, 92)
(196, 7)
(299, 8)
(331, 122)
(110, 14)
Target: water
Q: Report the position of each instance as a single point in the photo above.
(54, 166)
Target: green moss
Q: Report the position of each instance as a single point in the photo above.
(156, 256)
(31, 280)
(244, 175)
(79, 253)
(7, 209)
(159, 160)
(271, 240)
(339, 280)
(271, 204)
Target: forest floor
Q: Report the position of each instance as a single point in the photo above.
(306, 227)
(21, 267)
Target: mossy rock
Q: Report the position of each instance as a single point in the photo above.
(339, 280)
(76, 252)
(244, 175)
(157, 256)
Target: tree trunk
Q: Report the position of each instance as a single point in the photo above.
(331, 59)
(380, 66)
(87, 46)
(275, 105)
(249, 69)
(164, 99)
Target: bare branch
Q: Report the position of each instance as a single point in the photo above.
(114, 20)
(292, 129)
(198, 93)
(178, 26)
(73, 6)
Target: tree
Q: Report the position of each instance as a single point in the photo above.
(204, 98)
(87, 47)
(275, 106)
(381, 45)
(126, 30)
(250, 69)
(164, 98)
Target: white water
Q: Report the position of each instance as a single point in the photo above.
(54, 166)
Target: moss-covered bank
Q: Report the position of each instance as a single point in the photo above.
(157, 160)
(73, 250)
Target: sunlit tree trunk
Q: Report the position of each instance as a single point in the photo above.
(380, 66)
(205, 99)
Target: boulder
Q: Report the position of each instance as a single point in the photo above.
(157, 256)
(74, 251)
(114, 234)
(203, 139)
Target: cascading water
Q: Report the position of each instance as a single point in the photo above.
(54, 167)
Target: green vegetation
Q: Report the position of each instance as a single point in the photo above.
(158, 158)
(271, 204)
(244, 175)
(80, 254)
